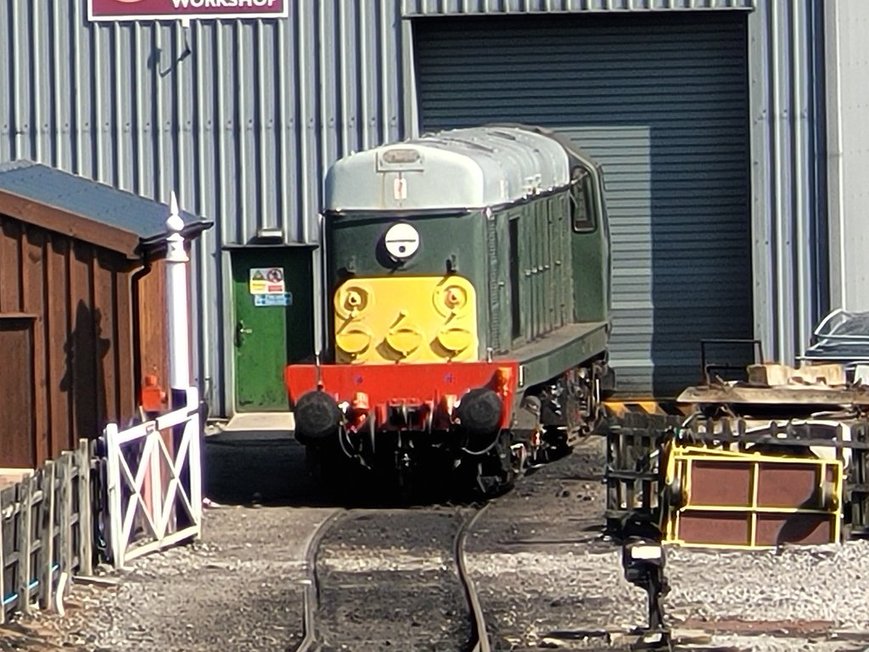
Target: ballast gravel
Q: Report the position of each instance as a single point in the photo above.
(239, 588)
(546, 579)
(588, 593)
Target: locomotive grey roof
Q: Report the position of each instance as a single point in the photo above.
(456, 169)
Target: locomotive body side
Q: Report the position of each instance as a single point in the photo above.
(469, 306)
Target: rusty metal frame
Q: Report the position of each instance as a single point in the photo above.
(635, 440)
(751, 500)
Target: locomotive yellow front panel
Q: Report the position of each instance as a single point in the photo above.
(407, 319)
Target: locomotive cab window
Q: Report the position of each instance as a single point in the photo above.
(581, 201)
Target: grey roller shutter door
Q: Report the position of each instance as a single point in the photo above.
(661, 101)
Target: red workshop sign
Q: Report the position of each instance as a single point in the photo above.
(185, 9)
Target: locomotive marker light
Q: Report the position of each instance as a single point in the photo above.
(643, 561)
(401, 241)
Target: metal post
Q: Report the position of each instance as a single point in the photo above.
(177, 303)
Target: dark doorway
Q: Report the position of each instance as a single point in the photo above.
(16, 389)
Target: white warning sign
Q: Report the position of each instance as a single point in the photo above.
(267, 280)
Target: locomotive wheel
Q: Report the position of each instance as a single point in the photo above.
(559, 443)
(495, 474)
(589, 390)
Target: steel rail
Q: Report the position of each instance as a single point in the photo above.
(479, 634)
(311, 594)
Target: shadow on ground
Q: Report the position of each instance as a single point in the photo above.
(258, 467)
(270, 468)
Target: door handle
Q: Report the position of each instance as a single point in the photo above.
(240, 332)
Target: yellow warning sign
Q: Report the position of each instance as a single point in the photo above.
(267, 280)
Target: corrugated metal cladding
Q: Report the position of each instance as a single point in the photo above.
(848, 143)
(240, 118)
(788, 173)
(786, 116)
(662, 104)
(243, 126)
(417, 8)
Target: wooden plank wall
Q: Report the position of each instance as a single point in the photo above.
(153, 344)
(80, 299)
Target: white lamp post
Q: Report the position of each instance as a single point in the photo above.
(176, 298)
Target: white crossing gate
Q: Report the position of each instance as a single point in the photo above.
(154, 482)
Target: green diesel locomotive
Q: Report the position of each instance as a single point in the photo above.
(468, 279)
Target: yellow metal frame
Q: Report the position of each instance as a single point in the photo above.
(680, 460)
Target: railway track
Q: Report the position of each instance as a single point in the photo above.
(393, 579)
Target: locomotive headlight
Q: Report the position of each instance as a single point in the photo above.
(401, 241)
(352, 300)
(452, 300)
(455, 298)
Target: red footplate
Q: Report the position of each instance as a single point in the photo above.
(412, 384)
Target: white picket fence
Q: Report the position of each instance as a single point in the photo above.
(154, 482)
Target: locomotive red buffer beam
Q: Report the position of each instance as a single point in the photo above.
(474, 396)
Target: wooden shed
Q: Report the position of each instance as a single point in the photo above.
(82, 308)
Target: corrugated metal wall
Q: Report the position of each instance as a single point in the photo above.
(241, 118)
(789, 199)
(788, 166)
(245, 124)
(661, 102)
(454, 7)
(848, 142)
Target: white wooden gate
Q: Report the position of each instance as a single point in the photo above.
(154, 482)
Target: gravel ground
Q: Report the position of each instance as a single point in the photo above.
(239, 588)
(545, 577)
(388, 581)
(549, 580)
